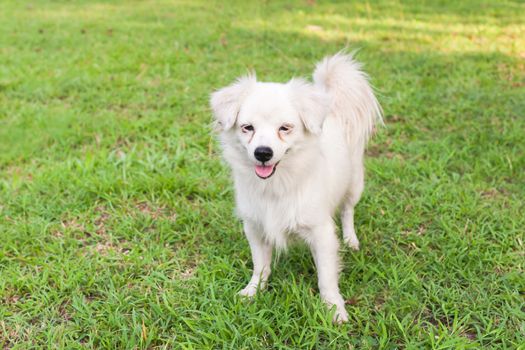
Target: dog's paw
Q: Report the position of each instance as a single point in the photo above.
(352, 242)
(340, 315)
(249, 291)
(337, 304)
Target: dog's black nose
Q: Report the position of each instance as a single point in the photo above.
(263, 153)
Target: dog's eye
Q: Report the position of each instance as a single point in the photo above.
(247, 128)
(285, 128)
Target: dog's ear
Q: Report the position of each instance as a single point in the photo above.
(311, 102)
(226, 102)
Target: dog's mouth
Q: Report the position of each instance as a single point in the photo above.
(265, 171)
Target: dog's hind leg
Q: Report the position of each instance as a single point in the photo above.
(347, 216)
(261, 257)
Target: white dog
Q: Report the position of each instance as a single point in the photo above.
(296, 153)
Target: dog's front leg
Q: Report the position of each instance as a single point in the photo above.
(325, 249)
(261, 257)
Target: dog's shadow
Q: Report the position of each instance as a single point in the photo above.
(297, 260)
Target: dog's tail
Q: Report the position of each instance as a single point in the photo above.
(353, 99)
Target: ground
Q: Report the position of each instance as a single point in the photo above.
(116, 211)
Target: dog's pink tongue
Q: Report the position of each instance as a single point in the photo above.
(264, 171)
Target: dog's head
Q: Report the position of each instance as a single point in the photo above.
(268, 119)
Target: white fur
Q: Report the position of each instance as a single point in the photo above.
(320, 163)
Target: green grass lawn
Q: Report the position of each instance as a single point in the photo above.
(116, 211)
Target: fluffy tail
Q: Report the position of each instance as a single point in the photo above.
(353, 100)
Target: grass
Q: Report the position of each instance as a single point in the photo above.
(116, 222)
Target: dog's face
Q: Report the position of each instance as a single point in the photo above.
(267, 126)
(269, 119)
